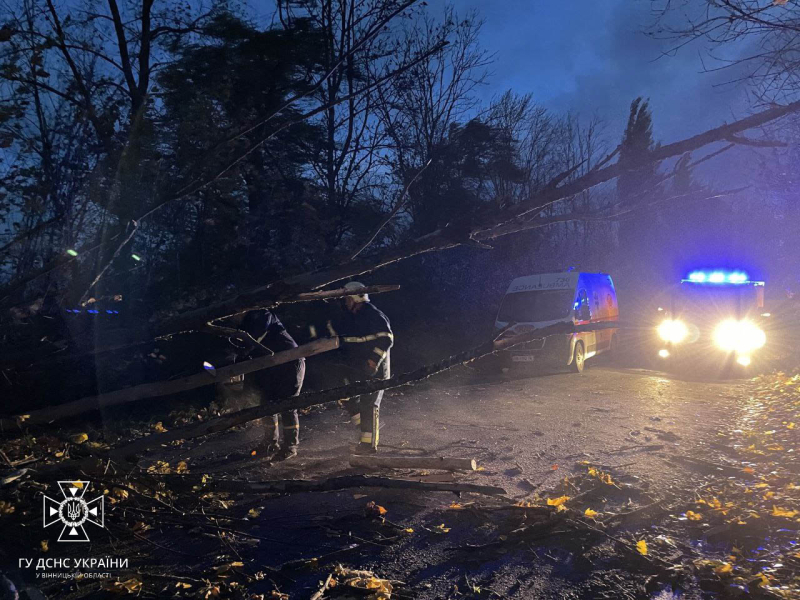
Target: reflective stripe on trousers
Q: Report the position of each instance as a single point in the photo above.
(370, 405)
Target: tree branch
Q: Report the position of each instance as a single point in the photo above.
(401, 200)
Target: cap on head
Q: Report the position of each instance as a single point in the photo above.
(355, 287)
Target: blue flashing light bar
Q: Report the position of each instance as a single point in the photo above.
(736, 277)
(698, 277)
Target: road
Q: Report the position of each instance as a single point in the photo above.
(531, 420)
(526, 430)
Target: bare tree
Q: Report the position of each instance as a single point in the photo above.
(756, 40)
(80, 79)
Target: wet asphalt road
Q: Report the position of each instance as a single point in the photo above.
(527, 430)
(520, 424)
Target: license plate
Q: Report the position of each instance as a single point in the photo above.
(522, 358)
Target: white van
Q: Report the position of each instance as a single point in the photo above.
(537, 301)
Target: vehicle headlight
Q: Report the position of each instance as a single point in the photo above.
(739, 336)
(673, 331)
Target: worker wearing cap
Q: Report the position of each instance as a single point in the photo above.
(366, 339)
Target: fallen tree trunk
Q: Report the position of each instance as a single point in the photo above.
(344, 482)
(359, 388)
(413, 462)
(164, 388)
(120, 339)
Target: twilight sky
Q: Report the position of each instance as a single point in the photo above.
(590, 56)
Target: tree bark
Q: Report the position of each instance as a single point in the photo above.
(344, 482)
(163, 388)
(414, 462)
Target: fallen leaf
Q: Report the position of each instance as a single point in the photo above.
(777, 511)
(590, 513)
(79, 438)
(693, 516)
(223, 570)
(159, 427)
(641, 546)
(377, 509)
(182, 467)
(749, 470)
(408, 530)
(557, 501)
(441, 529)
(724, 569)
(45, 545)
(129, 586)
(254, 512)
(160, 467)
(761, 579)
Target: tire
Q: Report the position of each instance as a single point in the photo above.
(578, 358)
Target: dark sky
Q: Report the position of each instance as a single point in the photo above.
(590, 56)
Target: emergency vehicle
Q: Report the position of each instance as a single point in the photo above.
(712, 314)
(536, 301)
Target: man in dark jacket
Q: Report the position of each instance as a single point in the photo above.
(276, 382)
(366, 339)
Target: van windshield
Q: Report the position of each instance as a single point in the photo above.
(536, 306)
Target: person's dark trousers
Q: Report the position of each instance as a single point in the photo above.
(289, 383)
(291, 428)
(370, 405)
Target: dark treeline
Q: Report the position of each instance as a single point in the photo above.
(167, 153)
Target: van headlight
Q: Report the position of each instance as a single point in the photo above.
(673, 331)
(739, 336)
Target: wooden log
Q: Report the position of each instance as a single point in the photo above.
(325, 587)
(413, 462)
(164, 388)
(337, 483)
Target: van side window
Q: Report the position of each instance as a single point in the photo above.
(584, 312)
